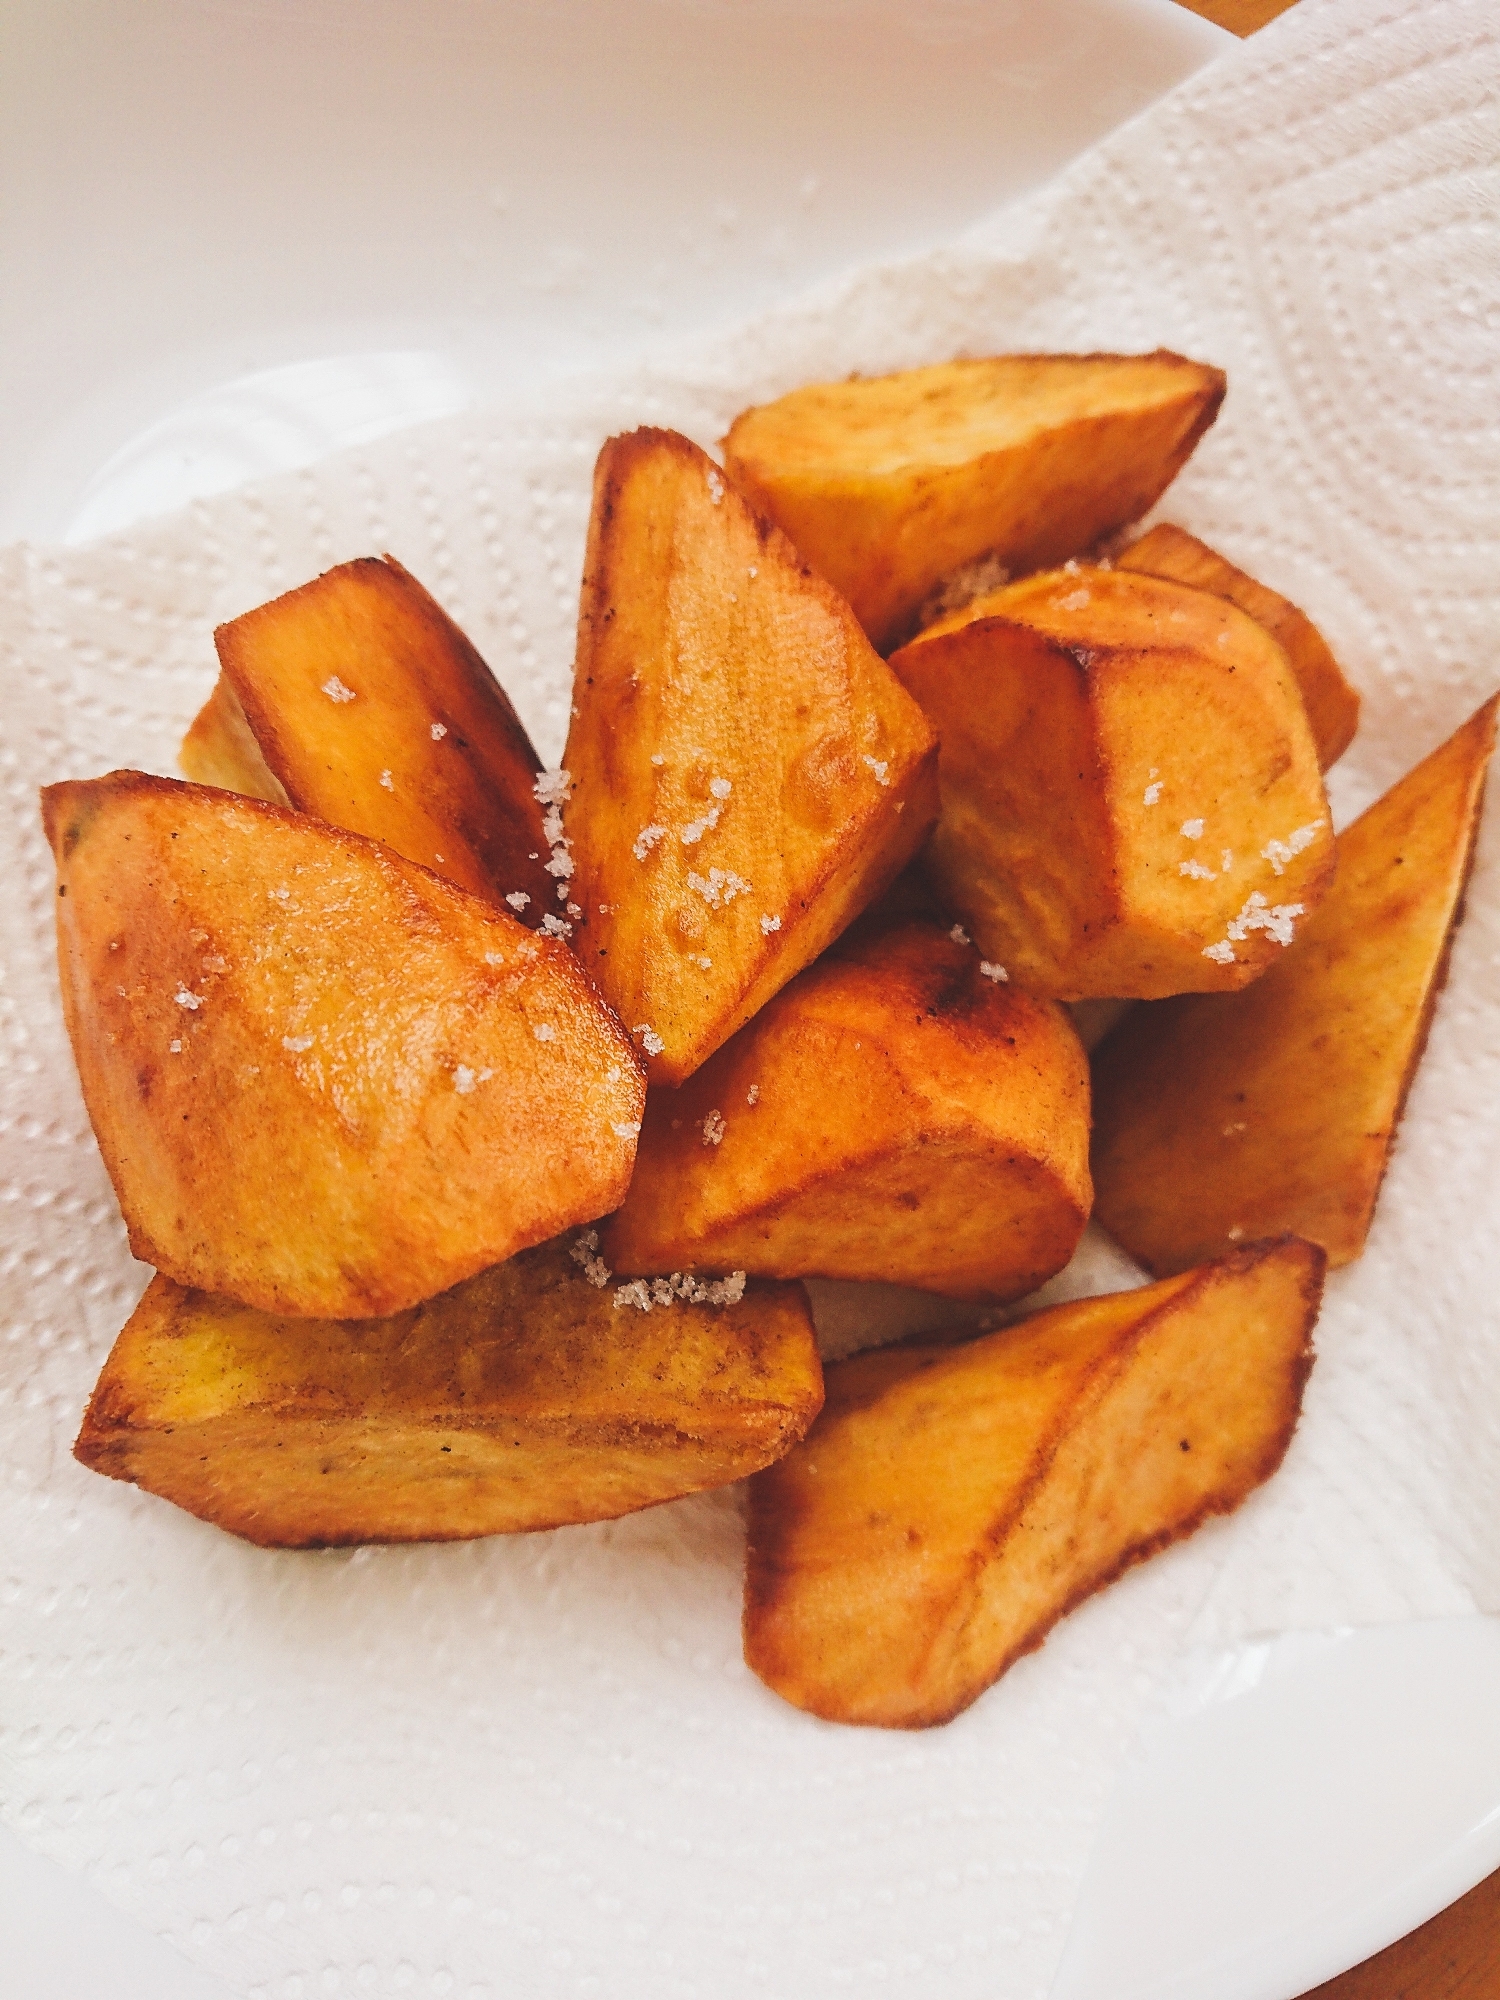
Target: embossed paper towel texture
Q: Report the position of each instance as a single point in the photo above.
(539, 1766)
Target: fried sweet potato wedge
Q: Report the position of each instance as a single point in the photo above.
(521, 1399)
(887, 486)
(1235, 1115)
(747, 773)
(1332, 704)
(894, 1114)
(324, 1080)
(357, 699)
(1131, 801)
(952, 1503)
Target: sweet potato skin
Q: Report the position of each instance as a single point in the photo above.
(1131, 801)
(952, 1504)
(887, 486)
(747, 774)
(1332, 704)
(362, 702)
(1227, 1116)
(521, 1399)
(313, 1068)
(894, 1114)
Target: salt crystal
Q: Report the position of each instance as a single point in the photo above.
(719, 887)
(720, 787)
(1237, 1126)
(627, 1129)
(557, 927)
(518, 899)
(192, 1001)
(715, 486)
(752, 1094)
(494, 957)
(1152, 794)
(175, 1047)
(439, 731)
(550, 788)
(752, 571)
(545, 1032)
(1075, 600)
(385, 779)
(1070, 567)
(633, 1294)
(585, 1253)
(651, 1042)
(657, 759)
(713, 1129)
(1236, 1232)
(1226, 861)
(880, 767)
(1280, 852)
(335, 690)
(574, 909)
(463, 1080)
(769, 924)
(280, 895)
(996, 972)
(612, 1074)
(695, 829)
(1197, 871)
(296, 1043)
(1221, 954)
(706, 963)
(646, 839)
(959, 935)
(1192, 829)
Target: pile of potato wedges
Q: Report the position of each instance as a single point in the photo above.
(481, 1120)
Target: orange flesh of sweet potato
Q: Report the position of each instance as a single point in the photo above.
(893, 1114)
(362, 703)
(887, 486)
(1224, 1116)
(1131, 802)
(323, 1080)
(521, 1399)
(951, 1504)
(747, 773)
(1332, 704)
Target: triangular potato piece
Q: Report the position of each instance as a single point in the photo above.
(747, 773)
(1228, 1116)
(1131, 800)
(896, 1113)
(357, 699)
(952, 1503)
(1332, 704)
(888, 486)
(521, 1399)
(324, 1081)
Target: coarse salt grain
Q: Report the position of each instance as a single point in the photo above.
(335, 690)
(296, 1044)
(557, 927)
(1151, 794)
(1192, 829)
(720, 788)
(752, 1094)
(996, 972)
(719, 886)
(769, 924)
(585, 1253)
(439, 731)
(1197, 871)
(175, 1047)
(713, 1129)
(1280, 852)
(651, 1042)
(494, 957)
(545, 1032)
(1070, 567)
(959, 935)
(518, 899)
(387, 781)
(695, 829)
(1221, 954)
(880, 767)
(192, 1001)
(1075, 600)
(463, 1079)
(628, 1128)
(646, 839)
(643, 1293)
(657, 759)
(550, 788)
(715, 487)
(1231, 1130)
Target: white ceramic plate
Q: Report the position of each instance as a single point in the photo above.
(248, 231)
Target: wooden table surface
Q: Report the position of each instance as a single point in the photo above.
(1457, 1955)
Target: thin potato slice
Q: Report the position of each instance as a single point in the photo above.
(356, 698)
(324, 1081)
(1332, 704)
(894, 1114)
(1233, 1116)
(747, 773)
(888, 486)
(521, 1399)
(951, 1504)
(1131, 799)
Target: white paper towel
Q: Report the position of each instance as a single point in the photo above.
(538, 1766)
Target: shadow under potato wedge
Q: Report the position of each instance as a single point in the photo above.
(1332, 704)
(894, 1114)
(1131, 799)
(522, 1399)
(356, 698)
(323, 1080)
(747, 772)
(952, 1503)
(1226, 1116)
(888, 485)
